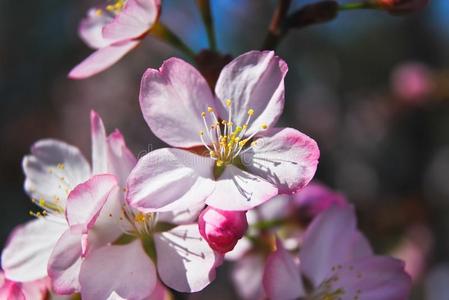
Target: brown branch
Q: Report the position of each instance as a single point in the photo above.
(276, 28)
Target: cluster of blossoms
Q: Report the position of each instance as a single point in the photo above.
(231, 187)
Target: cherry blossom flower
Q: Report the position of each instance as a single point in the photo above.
(99, 220)
(222, 229)
(113, 31)
(228, 154)
(335, 262)
(11, 290)
(57, 175)
(157, 245)
(288, 215)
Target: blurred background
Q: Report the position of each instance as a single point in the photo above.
(372, 89)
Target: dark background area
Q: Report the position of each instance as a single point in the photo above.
(388, 155)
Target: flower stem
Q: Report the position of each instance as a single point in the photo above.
(162, 32)
(269, 224)
(206, 14)
(276, 30)
(355, 6)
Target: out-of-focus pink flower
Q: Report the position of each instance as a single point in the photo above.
(249, 259)
(222, 229)
(414, 250)
(401, 6)
(237, 159)
(412, 82)
(338, 263)
(32, 290)
(114, 31)
(314, 199)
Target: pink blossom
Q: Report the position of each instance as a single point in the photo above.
(296, 210)
(58, 177)
(85, 255)
(11, 290)
(228, 154)
(222, 229)
(412, 82)
(113, 32)
(337, 262)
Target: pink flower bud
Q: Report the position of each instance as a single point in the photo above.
(401, 6)
(222, 229)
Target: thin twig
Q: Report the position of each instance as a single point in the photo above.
(276, 28)
(206, 14)
(162, 32)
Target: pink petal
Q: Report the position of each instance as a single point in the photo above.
(182, 216)
(328, 241)
(170, 179)
(372, 278)
(85, 202)
(184, 260)
(52, 170)
(160, 292)
(137, 17)
(247, 274)
(110, 154)
(254, 80)
(102, 59)
(65, 262)
(91, 29)
(26, 254)
(285, 157)
(243, 246)
(316, 198)
(172, 99)
(281, 279)
(121, 159)
(10, 290)
(361, 247)
(236, 189)
(277, 208)
(38, 289)
(125, 270)
(99, 146)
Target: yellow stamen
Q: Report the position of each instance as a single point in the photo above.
(224, 139)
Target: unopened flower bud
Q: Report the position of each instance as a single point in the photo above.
(398, 7)
(222, 229)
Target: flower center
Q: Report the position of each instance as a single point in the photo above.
(113, 7)
(223, 139)
(142, 224)
(53, 206)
